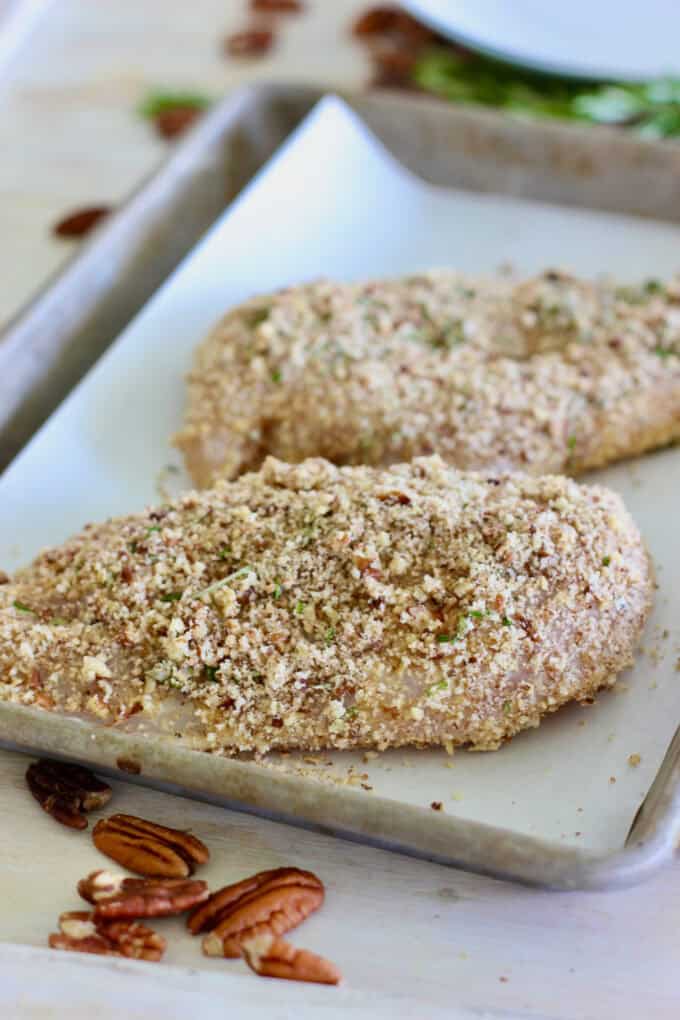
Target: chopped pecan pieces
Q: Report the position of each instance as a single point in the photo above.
(82, 932)
(66, 791)
(147, 848)
(271, 901)
(272, 957)
(120, 898)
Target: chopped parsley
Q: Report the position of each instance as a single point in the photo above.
(22, 607)
(276, 375)
(171, 596)
(211, 674)
(329, 636)
(133, 546)
(571, 442)
(441, 685)
(225, 553)
(445, 639)
(258, 316)
(664, 352)
(156, 527)
(161, 102)
(277, 590)
(507, 707)
(476, 614)
(299, 608)
(506, 621)
(606, 560)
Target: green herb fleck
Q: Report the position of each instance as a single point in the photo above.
(441, 685)
(606, 560)
(276, 375)
(156, 527)
(571, 443)
(507, 707)
(664, 352)
(299, 608)
(258, 316)
(329, 636)
(22, 607)
(352, 711)
(277, 590)
(160, 102)
(476, 614)
(225, 553)
(444, 639)
(171, 596)
(58, 621)
(506, 621)
(133, 546)
(211, 673)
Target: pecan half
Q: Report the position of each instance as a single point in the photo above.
(272, 957)
(81, 222)
(251, 42)
(66, 791)
(271, 901)
(147, 848)
(175, 121)
(120, 898)
(81, 932)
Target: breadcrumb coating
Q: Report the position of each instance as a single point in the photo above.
(549, 375)
(311, 606)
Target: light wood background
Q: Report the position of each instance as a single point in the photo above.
(413, 939)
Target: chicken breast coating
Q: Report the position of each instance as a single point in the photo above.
(313, 607)
(550, 375)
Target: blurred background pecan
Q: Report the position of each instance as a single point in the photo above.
(149, 849)
(66, 791)
(272, 957)
(121, 898)
(271, 901)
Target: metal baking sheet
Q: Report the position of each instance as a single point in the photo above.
(544, 809)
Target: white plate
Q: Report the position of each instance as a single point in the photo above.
(611, 39)
(334, 202)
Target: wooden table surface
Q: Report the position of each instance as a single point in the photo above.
(412, 939)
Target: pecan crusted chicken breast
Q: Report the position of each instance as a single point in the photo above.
(552, 374)
(313, 606)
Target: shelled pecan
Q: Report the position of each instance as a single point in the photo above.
(82, 932)
(66, 791)
(120, 898)
(271, 901)
(272, 957)
(80, 222)
(149, 849)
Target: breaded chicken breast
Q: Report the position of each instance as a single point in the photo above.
(553, 374)
(313, 607)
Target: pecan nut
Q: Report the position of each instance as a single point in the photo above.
(81, 222)
(271, 901)
(116, 897)
(66, 791)
(272, 957)
(82, 932)
(149, 849)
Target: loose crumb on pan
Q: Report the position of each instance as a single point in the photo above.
(551, 374)
(308, 607)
